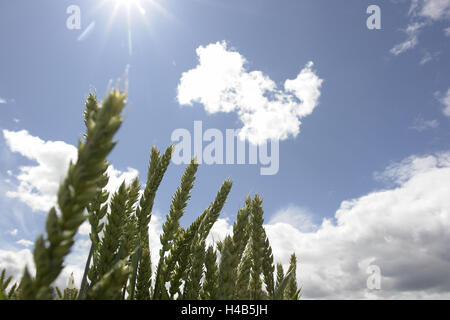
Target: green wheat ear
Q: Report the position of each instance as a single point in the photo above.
(142, 268)
(257, 237)
(172, 225)
(74, 195)
(4, 283)
(111, 284)
(210, 285)
(292, 292)
(118, 265)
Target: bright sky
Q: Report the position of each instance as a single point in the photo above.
(363, 118)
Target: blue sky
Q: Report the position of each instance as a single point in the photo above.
(377, 106)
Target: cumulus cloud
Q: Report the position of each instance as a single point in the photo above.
(2, 101)
(404, 229)
(400, 172)
(422, 13)
(222, 83)
(38, 184)
(15, 261)
(295, 216)
(219, 231)
(37, 188)
(85, 228)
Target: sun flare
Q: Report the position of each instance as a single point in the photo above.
(129, 8)
(130, 3)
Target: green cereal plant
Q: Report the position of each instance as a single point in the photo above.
(142, 269)
(257, 248)
(4, 283)
(118, 265)
(172, 225)
(280, 276)
(292, 292)
(210, 287)
(74, 195)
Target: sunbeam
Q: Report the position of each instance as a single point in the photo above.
(131, 8)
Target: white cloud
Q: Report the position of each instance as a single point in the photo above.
(421, 124)
(25, 243)
(222, 83)
(2, 101)
(38, 184)
(427, 57)
(219, 231)
(405, 230)
(434, 9)
(404, 46)
(297, 217)
(446, 102)
(15, 261)
(37, 188)
(116, 177)
(155, 231)
(447, 31)
(400, 172)
(13, 232)
(85, 228)
(412, 31)
(422, 13)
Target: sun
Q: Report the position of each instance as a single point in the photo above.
(144, 8)
(130, 3)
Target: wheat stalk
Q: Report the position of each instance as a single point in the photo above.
(118, 265)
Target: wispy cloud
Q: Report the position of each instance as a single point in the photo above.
(222, 83)
(420, 124)
(2, 100)
(445, 100)
(412, 32)
(25, 243)
(433, 9)
(447, 31)
(422, 13)
(428, 57)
